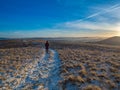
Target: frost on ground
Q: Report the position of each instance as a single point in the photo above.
(14, 64)
(82, 67)
(37, 74)
(89, 66)
(45, 73)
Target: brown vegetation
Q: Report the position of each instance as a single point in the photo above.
(84, 63)
(14, 64)
(91, 87)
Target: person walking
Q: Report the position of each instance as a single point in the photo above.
(47, 46)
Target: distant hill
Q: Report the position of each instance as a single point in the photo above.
(4, 38)
(14, 43)
(111, 41)
(75, 39)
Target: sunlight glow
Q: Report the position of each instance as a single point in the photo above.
(118, 33)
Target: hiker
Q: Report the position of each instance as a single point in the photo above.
(47, 46)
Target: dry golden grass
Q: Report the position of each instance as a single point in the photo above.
(90, 63)
(111, 84)
(15, 62)
(73, 78)
(92, 87)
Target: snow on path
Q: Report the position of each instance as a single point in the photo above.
(45, 74)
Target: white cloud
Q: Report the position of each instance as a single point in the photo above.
(105, 20)
(104, 11)
(92, 26)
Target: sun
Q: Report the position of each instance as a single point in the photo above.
(119, 33)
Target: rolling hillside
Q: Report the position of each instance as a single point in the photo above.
(111, 41)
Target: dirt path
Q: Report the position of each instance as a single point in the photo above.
(44, 75)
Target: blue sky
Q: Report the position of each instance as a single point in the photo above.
(59, 18)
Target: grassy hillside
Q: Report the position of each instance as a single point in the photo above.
(111, 41)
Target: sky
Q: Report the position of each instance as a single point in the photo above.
(59, 18)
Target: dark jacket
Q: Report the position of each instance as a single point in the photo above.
(47, 45)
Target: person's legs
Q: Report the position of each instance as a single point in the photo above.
(46, 50)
